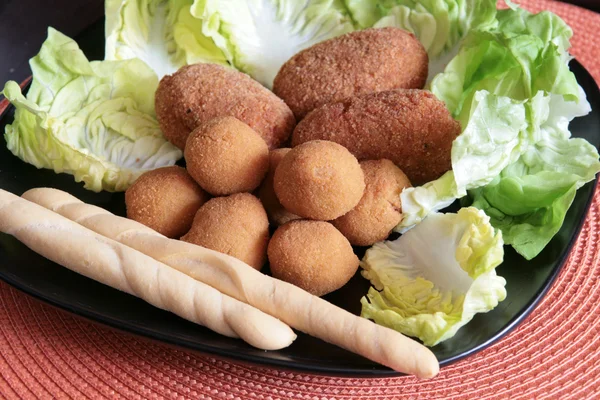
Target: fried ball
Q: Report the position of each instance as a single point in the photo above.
(198, 93)
(278, 215)
(165, 199)
(226, 156)
(379, 210)
(319, 180)
(312, 255)
(371, 60)
(412, 128)
(236, 225)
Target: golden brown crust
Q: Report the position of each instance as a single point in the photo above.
(225, 156)
(412, 128)
(198, 93)
(357, 63)
(319, 180)
(278, 215)
(236, 225)
(379, 210)
(166, 200)
(312, 255)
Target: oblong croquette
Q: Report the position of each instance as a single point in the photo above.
(198, 93)
(371, 60)
(410, 127)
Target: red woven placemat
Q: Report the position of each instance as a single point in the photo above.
(555, 353)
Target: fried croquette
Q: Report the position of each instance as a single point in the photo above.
(319, 180)
(412, 128)
(166, 200)
(236, 225)
(379, 210)
(278, 215)
(371, 60)
(225, 156)
(312, 255)
(198, 93)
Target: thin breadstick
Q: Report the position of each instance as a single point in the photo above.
(107, 261)
(296, 307)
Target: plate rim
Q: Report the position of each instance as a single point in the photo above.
(374, 372)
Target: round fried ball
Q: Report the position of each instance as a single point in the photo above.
(379, 210)
(236, 225)
(197, 93)
(278, 215)
(370, 60)
(412, 128)
(319, 180)
(165, 199)
(312, 255)
(226, 156)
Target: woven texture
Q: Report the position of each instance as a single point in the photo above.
(555, 353)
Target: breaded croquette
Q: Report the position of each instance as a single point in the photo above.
(225, 156)
(166, 200)
(198, 93)
(412, 128)
(278, 215)
(319, 180)
(357, 63)
(312, 255)
(379, 210)
(236, 225)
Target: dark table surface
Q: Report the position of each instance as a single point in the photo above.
(23, 26)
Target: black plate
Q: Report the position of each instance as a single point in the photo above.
(527, 282)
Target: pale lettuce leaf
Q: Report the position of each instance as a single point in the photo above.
(259, 36)
(431, 294)
(162, 33)
(94, 120)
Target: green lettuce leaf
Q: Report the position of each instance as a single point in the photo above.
(259, 36)
(511, 88)
(162, 33)
(491, 139)
(431, 294)
(529, 200)
(94, 120)
(526, 53)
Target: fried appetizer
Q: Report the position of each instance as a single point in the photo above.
(166, 200)
(379, 210)
(278, 215)
(312, 255)
(226, 156)
(412, 128)
(236, 225)
(319, 180)
(357, 63)
(198, 93)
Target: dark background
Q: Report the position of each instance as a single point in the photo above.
(23, 25)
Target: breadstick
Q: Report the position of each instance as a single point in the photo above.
(121, 267)
(296, 307)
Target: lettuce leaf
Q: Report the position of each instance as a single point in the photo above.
(511, 88)
(94, 120)
(162, 33)
(259, 36)
(431, 294)
(530, 198)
